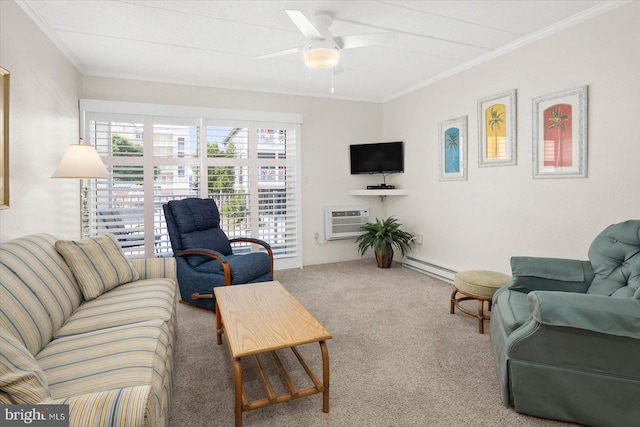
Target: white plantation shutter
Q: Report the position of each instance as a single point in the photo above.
(277, 189)
(117, 203)
(262, 201)
(249, 167)
(228, 182)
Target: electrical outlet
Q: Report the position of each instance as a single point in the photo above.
(418, 238)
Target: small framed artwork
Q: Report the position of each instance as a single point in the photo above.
(560, 134)
(4, 138)
(497, 130)
(453, 149)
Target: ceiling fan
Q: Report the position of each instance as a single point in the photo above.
(323, 49)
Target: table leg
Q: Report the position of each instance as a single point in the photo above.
(325, 376)
(237, 373)
(218, 325)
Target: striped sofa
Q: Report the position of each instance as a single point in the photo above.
(110, 358)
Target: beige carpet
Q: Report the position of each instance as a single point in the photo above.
(397, 357)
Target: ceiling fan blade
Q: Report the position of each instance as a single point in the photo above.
(350, 42)
(281, 53)
(303, 24)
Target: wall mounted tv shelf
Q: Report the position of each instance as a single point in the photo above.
(381, 193)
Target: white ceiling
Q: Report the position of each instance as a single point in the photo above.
(215, 43)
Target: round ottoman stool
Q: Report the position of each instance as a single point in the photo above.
(479, 285)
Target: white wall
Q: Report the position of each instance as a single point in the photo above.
(43, 121)
(45, 88)
(328, 129)
(501, 211)
(479, 223)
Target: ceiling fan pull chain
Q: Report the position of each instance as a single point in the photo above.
(309, 68)
(332, 79)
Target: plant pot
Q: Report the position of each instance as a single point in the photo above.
(384, 260)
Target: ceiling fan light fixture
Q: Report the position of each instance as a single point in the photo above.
(321, 58)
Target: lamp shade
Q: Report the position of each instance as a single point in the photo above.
(80, 161)
(321, 58)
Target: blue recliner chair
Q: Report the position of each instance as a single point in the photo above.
(566, 333)
(204, 258)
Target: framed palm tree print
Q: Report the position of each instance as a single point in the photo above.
(453, 149)
(497, 130)
(560, 134)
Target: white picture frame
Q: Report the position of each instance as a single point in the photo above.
(452, 143)
(560, 145)
(497, 130)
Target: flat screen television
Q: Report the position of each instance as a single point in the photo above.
(381, 157)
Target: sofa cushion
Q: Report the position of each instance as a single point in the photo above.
(37, 289)
(514, 309)
(615, 256)
(21, 378)
(129, 303)
(125, 356)
(126, 406)
(98, 264)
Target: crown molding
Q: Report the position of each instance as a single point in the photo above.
(26, 6)
(545, 32)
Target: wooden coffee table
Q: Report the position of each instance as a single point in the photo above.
(265, 317)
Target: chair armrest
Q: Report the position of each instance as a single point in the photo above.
(257, 242)
(120, 406)
(597, 313)
(253, 240)
(204, 252)
(154, 268)
(550, 274)
(224, 263)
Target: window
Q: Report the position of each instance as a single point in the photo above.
(248, 167)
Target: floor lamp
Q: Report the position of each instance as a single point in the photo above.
(81, 161)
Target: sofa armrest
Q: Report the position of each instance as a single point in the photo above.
(550, 274)
(153, 268)
(597, 313)
(125, 406)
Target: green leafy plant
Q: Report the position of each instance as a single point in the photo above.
(382, 236)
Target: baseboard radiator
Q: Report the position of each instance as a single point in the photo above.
(434, 270)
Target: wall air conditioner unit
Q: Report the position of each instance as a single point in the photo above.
(344, 222)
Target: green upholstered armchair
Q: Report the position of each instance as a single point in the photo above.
(566, 333)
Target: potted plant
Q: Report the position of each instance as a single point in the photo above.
(382, 236)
